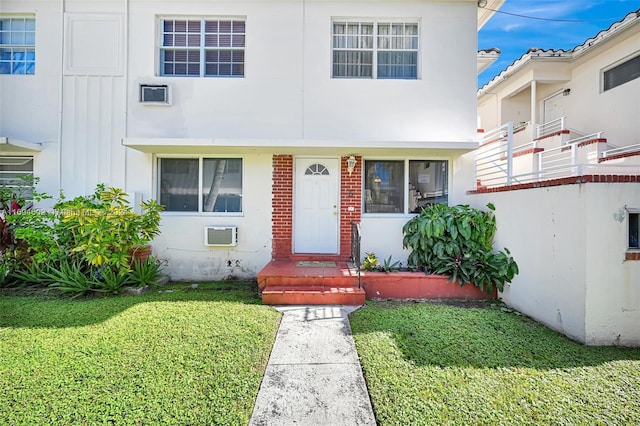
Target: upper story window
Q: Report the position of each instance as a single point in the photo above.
(200, 184)
(202, 47)
(17, 45)
(375, 49)
(621, 74)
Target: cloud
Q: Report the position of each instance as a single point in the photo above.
(512, 27)
(543, 9)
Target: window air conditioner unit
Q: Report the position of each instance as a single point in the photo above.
(154, 94)
(225, 236)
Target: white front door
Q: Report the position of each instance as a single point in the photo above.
(315, 207)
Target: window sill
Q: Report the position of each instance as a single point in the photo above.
(203, 214)
(632, 254)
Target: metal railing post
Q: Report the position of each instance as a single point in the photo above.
(509, 152)
(355, 247)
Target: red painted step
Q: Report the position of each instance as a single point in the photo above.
(313, 295)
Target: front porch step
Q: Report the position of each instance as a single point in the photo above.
(318, 273)
(313, 295)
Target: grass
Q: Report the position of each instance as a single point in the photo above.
(436, 364)
(182, 357)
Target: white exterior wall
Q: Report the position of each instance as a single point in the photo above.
(91, 57)
(615, 111)
(569, 242)
(30, 104)
(613, 286)
(288, 92)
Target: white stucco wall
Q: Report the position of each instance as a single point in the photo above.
(615, 111)
(30, 104)
(613, 285)
(84, 101)
(569, 242)
(182, 238)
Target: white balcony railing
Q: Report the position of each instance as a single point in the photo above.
(621, 150)
(553, 126)
(495, 157)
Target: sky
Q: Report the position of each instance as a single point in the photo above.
(553, 29)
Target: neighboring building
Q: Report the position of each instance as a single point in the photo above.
(565, 179)
(246, 115)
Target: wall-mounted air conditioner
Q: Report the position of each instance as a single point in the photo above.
(154, 94)
(221, 236)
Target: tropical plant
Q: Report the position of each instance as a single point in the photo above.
(457, 241)
(72, 277)
(109, 281)
(370, 262)
(16, 195)
(103, 228)
(6, 269)
(389, 265)
(34, 273)
(146, 272)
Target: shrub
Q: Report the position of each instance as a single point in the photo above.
(371, 262)
(457, 241)
(104, 230)
(83, 245)
(146, 272)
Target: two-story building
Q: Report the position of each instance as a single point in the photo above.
(265, 128)
(560, 159)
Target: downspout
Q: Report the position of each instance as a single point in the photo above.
(61, 96)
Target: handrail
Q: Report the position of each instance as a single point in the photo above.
(590, 137)
(621, 150)
(495, 155)
(356, 239)
(552, 126)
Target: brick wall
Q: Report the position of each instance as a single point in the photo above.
(350, 203)
(282, 205)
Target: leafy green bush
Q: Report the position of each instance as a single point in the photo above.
(83, 245)
(371, 262)
(457, 241)
(104, 229)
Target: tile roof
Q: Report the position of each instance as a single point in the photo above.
(629, 20)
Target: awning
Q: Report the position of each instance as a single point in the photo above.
(203, 146)
(11, 145)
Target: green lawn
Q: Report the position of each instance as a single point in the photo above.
(436, 364)
(182, 357)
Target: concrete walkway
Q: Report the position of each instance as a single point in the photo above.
(313, 376)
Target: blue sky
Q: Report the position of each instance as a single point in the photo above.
(515, 35)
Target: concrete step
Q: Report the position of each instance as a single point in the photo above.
(313, 295)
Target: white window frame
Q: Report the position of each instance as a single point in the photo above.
(375, 49)
(17, 47)
(406, 190)
(635, 56)
(157, 183)
(202, 49)
(9, 160)
(631, 212)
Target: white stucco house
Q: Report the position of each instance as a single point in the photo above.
(267, 127)
(560, 159)
(274, 123)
